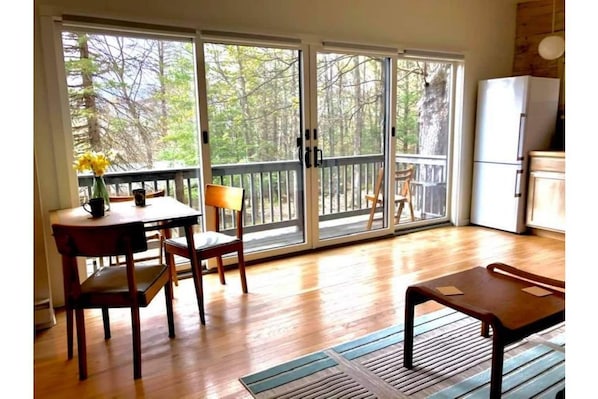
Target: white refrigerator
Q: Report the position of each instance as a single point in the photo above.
(515, 115)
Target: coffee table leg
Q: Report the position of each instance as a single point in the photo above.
(497, 364)
(485, 329)
(408, 341)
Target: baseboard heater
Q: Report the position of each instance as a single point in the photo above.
(43, 314)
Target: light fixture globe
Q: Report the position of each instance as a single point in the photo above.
(551, 47)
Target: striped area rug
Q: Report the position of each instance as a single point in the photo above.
(451, 360)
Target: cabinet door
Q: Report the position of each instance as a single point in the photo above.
(546, 201)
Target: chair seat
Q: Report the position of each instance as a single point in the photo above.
(113, 281)
(209, 239)
(398, 198)
(371, 197)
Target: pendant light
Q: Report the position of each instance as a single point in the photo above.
(553, 46)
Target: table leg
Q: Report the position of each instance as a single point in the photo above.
(497, 365)
(69, 331)
(81, 343)
(196, 272)
(408, 340)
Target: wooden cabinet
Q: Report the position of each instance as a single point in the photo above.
(546, 191)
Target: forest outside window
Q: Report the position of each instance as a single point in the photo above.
(133, 97)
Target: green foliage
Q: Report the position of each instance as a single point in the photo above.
(132, 96)
(137, 97)
(410, 82)
(350, 104)
(253, 104)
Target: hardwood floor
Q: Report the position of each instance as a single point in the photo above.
(295, 306)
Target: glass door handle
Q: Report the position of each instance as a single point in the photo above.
(318, 160)
(300, 149)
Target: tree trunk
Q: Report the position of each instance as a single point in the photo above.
(89, 100)
(434, 108)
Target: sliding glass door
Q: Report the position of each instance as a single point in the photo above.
(313, 132)
(132, 97)
(350, 146)
(254, 108)
(424, 111)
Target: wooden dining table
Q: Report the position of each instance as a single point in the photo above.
(160, 213)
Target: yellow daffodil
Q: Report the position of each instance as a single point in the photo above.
(96, 162)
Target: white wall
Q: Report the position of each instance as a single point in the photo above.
(484, 30)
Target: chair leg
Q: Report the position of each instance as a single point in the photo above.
(135, 323)
(198, 282)
(241, 259)
(220, 270)
(400, 211)
(171, 269)
(169, 258)
(69, 332)
(371, 219)
(106, 320)
(411, 210)
(81, 344)
(161, 248)
(169, 311)
(164, 235)
(195, 260)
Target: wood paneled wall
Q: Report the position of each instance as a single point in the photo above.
(534, 23)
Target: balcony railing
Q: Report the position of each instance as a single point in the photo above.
(274, 189)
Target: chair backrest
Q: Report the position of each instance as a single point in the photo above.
(379, 183)
(94, 241)
(227, 198)
(123, 198)
(403, 179)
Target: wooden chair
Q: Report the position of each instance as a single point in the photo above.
(403, 181)
(109, 287)
(155, 238)
(210, 244)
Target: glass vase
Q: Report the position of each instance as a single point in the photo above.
(99, 190)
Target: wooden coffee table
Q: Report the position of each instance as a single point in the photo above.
(497, 300)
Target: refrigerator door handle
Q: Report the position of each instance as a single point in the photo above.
(522, 117)
(518, 175)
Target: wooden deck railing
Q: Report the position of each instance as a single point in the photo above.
(274, 189)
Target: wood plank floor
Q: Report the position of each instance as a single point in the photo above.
(295, 306)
